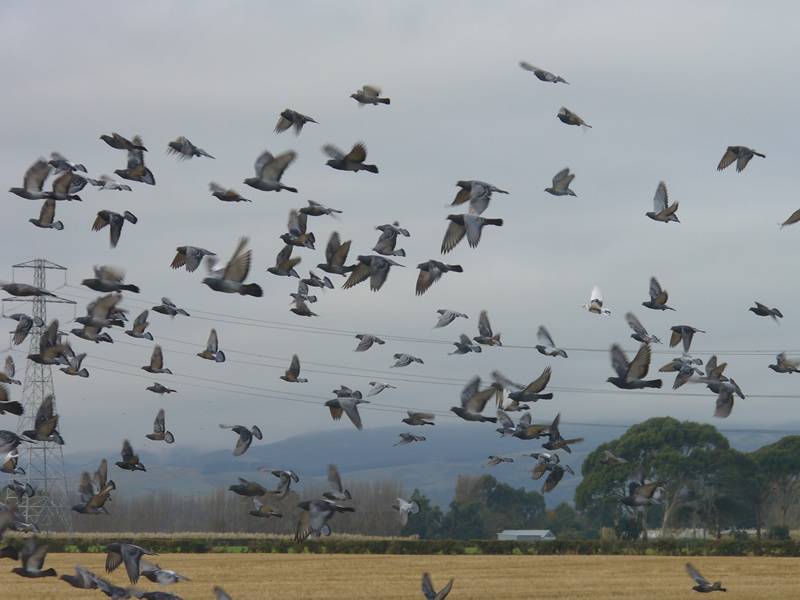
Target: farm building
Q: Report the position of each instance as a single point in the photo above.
(526, 535)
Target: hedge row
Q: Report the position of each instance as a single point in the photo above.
(661, 547)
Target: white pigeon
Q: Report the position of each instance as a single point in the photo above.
(376, 387)
(405, 508)
(595, 305)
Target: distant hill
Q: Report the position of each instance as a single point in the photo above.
(432, 466)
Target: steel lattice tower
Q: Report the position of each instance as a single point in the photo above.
(43, 461)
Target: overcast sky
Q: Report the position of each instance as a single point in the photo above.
(666, 87)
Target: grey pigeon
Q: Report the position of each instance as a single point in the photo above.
(683, 333)
(477, 193)
(212, 351)
(184, 149)
(419, 418)
(430, 592)
(366, 341)
(74, 367)
(33, 182)
(300, 307)
(8, 372)
(448, 316)
(403, 360)
(376, 387)
(595, 305)
(369, 94)
(473, 401)
(352, 161)
(337, 491)
(494, 460)
(230, 280)
(561, 181)
(469, 225)
(486, 336)
(262, 510)
(245, 437)
(189, 257)
(129, 554)
(136, 169)
(286, 477)
(291, 118)
(292, 374)
(658, 297)
(762, 310)
(226, 194)
(430, 272)
(541, 74)
(109, 279)
(314, 280)
(106, 183)
(409, 438)
(47, 216)
(783, 364)
(118, 142)
(568, 117)
(23, 327)
(663, 211)
(725, 390)
(335, 256)
(140, 323)
(314, 519)
(169, 308)
(156, 574)
(315, 209)
(160, 433)
(157, 388)
(156, 362)
(739, 154)
(269, 170)
(546, 345)
(533, 391)
(639, 332)
(45, 427)
(388, 239)
(630, 375)
(373, 267)
(130, 460)
(285, 264)
(702, 584)
(348, 406)
(298, 234)
(115, 221)
(24, 290)
(464, 346)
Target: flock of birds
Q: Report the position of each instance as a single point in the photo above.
(104, 315)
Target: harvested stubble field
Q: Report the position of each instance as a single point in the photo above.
(307, 577)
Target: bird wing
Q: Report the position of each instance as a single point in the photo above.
(357, 154)
(282, 125)
(727, 158)
(634, 324)
(296, 224)
(48, 212)
(127, 451)
(85, 488)
(159, 426)
(36, 175)
(484, 327)
(504, 419)
(101, 475)
(273, 169)
(371, 91)
(102, 219)
(561, 181)
(470, 390)
(213, 343)
(596, 296)
(426, 279)
(478, 400)
(742, 160)
(675, 338)
(10, 369)
(543, 336)
(452, 236)
(351, 410)
(539, 383)
(655, 290)
(556, 475)
(473, 226)
(427, 587)
(332, 151)
(140, 322)
(619, 362)
(261, 162)
(660, 200)
(695, 574)
(294, 366)
(334, 243)
(239, 265)
(334, 478)
(378, 272)
(359, 274)
(180, 258)
(640, 364)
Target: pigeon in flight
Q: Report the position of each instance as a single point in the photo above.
(160, 433)
(419, 418)
(230, 280)
(630, 375)
(291, 118)
(51, 350)
(793, 218)
(226, 194)
(157, 388)
(245, 437)
(184, 149)
(262, 510)
(300, 307)
(109, 279)
(683, 333)
(314, 520)
(595, 305)
(783, 364)
(725, 391)
(335, 256)
(405, 508)
(448, 316)
(469, 225)
(169, 308)
(639, 332)
(541, 74)
(189, 257)
(47, 216)
(701, 583)
(352, 161)
(286, 477)
(285, 264)
(366, 341)
(130, 461)
(473, 401)
(32, 555)
(477, 193)
(403, 360)
(83, 579)
(546, 345)
(106, 183)
(33, 182)
(315, 209)
(376, 387)
(762, 310)
(297, 234)
(24, 290)
(373, 267)
(430, 592)
(248, 488)
(140, 323)
(129, 554)
(568, 117)
(561, 181)
(212, 351)
(533, 391)
(739, 154)
(74, 367)
(555, 440)
(118, 142)
(662, 210)
(136, 169)
(493, 460)
(115, 221)
(348, 406)
(156, 362)
(658, 297)
(388, 239)
(292, 374)
(337, 491)
(430, 272)
(24, 326)
(486, 336)
(409, 438)
(269, 170)
(156, 574)
(8, 372)
(464, 345)
(45, 427)
(369, 94)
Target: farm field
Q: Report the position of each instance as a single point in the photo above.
(284, 576)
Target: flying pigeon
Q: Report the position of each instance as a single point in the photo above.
(115, 221)
(702, 584)
(291, 118)
(226, 194)
(639, 332)
(169, 308)
(409, 438)
(376, 387)
(430, 272)
(561, 181)
(33, 182)
(352, 161)
(269, 170)
(683, 333)
(546, 345)
(369, 94)
(348, 406)
(464, 346)
(405, 508)
(477, 193)
(136, 170)
(160, 433)
(189, 257)
(740, 154)
(245, 437)
(662, 210)
(448, 316)
(419, 418)
(469, 225)
(130, 461)
(473, 401)
(230, 280)
(212, 351)
(486, 336)
(156, 362)
(373, 267)
(630, 375)
(763, 310)
(285, 264)
(541, 74)
(315, 517)
(292, 374)
(140, 323)
(568, 117)
(658, 297)
(47, 216)
(184, 149)
(430, 592)
(335, 256)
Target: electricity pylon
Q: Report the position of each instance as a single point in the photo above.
(43, 462)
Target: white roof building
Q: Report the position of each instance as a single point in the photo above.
(526, 535)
